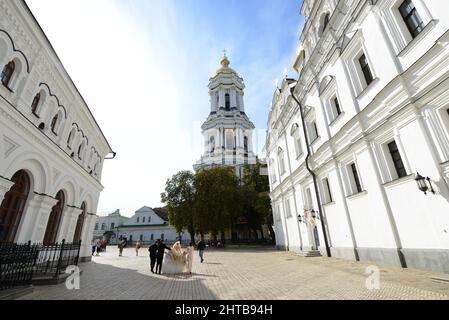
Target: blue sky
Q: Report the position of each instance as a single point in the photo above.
(148, 63)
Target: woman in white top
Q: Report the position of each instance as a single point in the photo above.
(190, 250)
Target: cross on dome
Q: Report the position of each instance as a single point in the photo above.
(225, 61)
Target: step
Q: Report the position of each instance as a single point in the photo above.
(310, 254)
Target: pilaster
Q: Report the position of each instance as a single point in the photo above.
(35, 219)
(5, 186)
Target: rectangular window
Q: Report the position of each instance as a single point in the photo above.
(366, 69)
(337, 107)
(327, 190)
(411, 18)
(397, 160)
(355, 176)
(298, 146)
(281, 163)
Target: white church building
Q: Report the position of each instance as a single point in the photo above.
(52, 150)
(358, 145)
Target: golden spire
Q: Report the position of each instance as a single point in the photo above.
(225, 61)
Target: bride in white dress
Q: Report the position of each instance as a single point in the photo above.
(174, 260)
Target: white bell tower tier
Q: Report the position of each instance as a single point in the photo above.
(227, 132)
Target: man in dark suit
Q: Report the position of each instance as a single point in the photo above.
(153, 254)
(160, 255)
(201, 248)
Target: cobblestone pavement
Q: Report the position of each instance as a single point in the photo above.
(245, 274)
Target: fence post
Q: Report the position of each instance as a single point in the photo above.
(60, 259)
(78, 255)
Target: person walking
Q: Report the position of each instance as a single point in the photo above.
(160, 256)
(201, 248)
(190, 250)
(153, 254)
(138, 245)
(121, 246)
(94, 246)
(98, 245)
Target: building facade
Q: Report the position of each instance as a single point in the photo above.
(147, 226)
(227, 132)
(107, 224)
(51, 148)
(358, 145)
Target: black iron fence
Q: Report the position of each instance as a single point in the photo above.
(16, 264)
(20, 264)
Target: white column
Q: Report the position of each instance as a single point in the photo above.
(71, 225)
(35, 219)
(87, 235)
(233, 99)
(66, 221)
(5, 186)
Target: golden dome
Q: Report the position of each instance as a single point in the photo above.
(225, 61)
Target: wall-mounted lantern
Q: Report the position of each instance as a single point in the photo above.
(424, 184)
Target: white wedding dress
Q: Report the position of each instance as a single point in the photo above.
(170, 266)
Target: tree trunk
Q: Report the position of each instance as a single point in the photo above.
(272, 234)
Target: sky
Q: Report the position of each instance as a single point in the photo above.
(143, 68)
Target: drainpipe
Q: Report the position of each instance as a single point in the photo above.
(312, 173)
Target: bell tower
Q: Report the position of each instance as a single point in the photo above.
(227, 132)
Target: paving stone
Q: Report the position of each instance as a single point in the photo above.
(244, 274)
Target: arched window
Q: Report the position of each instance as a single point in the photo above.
(69, 140)
(143, 220)
(96, 226)
(35, 103)
(212, 144)
(55, 220)
(297, 139)
(12, 206)
(227, 101)
(326, 21)
(54, 122)
(7, 73)
(80, 224)
(112, 226)
(103, 226)
(138, 219)
(245, 144)
(281, 161)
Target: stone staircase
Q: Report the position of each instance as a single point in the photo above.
(310, 254)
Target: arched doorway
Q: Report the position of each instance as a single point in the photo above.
(11, 209)
(54, 219)
(79, 224)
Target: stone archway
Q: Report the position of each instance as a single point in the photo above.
(54, 220)
(13, 205)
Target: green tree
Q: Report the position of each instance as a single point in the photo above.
(256, 193)
(217, 200)
(179, 196)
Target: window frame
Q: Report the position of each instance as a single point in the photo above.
(3, 75)
(398, 163)
(414, 13)
(354, 177)
(328, 197)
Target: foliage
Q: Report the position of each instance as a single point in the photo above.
(179, 197)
